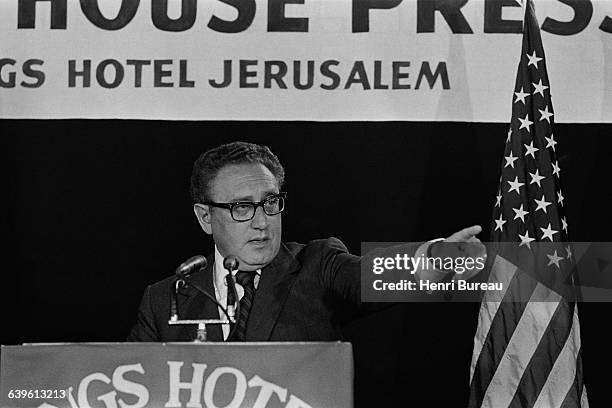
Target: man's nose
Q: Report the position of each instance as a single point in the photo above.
(260, 220)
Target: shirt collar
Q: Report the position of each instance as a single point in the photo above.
(220, 271)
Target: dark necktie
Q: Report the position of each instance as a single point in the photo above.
(247, 281)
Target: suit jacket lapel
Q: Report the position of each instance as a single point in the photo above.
(272, 291)
(194, 305)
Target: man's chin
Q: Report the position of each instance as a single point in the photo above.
(256, 259)
(253, 266)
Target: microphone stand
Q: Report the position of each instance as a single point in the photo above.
(230, 263)
(201, 334)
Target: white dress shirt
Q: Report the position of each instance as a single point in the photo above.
(221, 288)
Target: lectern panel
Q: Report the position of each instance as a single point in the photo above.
(173, 375)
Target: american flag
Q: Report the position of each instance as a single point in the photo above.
(527, 345)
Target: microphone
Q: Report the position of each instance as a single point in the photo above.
(185, 269)
(191, 265)
(182, 272)
(230, 263)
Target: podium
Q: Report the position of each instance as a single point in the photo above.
(174, 375)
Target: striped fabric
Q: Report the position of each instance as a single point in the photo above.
(247, 281)
(527, 345)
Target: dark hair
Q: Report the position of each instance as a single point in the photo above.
(207, 166)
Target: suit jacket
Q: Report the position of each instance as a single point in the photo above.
(304, 294)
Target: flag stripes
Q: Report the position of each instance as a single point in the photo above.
(562, 377)
(498, 337)
(525, 338)
(502, 271)
(548, 349)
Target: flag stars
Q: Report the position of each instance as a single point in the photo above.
(520, 213)
(533, 59)
(564, 224)
(499, 223)
(542, 204)
(530, 149)
(554, 259)
(548, 232)
(520, 96)
(539, 88)
(560, 198)
(551, 142)
(509, 135)
(515, 185)
(525, 123)
(536, 178)
(545, 114)
(556, 169)
(498, 199)
(568, 249)
(510, 160)
(526, 240)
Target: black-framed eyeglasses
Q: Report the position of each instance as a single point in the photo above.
(242, 211)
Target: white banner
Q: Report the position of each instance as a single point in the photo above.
(425, 60)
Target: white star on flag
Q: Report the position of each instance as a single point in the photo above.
(536, 178)
(515, 185)
(498, 199)
(564, 224)
(546, 115)
(569, 252)
(525, 123)
(526, 240)
(560, 198)
(499, 223)
(520, 96)
(542, 204)
(556, 168)
(551, 142)
(510, 160)
(554, 259)
(530, 149)
(520, 213)
(509, 135)
(533, 59)
(548, 232)
(539, 88)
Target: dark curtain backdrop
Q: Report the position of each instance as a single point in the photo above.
(96, 210)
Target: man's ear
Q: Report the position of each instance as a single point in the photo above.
(202, 213)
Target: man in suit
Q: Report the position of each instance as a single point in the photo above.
(287, 291)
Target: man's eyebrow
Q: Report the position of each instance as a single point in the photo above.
(270, 193)
(243, 198)
(251, 199)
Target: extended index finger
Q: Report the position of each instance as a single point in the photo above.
(465, 234)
